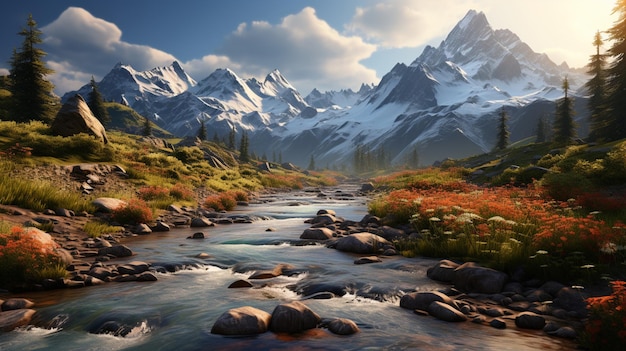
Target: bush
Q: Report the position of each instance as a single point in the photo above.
(191, 154)
(607, 315)
(25, 260)
(565, 186)
(153, 192)
(134, 212)
(181, 192)
(225, 201)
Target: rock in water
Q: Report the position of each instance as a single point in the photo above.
(75, 117)
(245, 320)
(293, 317)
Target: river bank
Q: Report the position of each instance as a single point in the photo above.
(369, 294)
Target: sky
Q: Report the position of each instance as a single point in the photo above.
(323, 44)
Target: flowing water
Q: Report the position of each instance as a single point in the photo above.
(178, 311)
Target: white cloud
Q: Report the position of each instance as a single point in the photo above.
(407, 23)
(307, 51)
(202, 68)
(80, 45)
(4, 72)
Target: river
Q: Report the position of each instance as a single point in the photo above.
(177, 311)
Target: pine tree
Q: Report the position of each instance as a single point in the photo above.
(615, 127)
(202, 131)
(597, 94)
(414, 160)
(244, 156)
(96, 104)
(147, 127)
(231, 138)
(33, 98)
(564, 125)
(541, 131)
(311, 164)
(503, 131)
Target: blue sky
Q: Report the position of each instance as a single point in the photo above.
(324, 44)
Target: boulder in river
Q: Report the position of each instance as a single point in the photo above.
(245, 320)
(363, 243)
(293, 317)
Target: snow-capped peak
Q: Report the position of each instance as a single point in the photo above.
(275, 83)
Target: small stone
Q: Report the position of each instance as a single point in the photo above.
(498, 323)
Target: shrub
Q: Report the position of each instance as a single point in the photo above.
(24, 259)
(191, 154)
(607, 316)
(134, 212)
(181, 192)
(153, 192)
(225, 201)
(565, 186)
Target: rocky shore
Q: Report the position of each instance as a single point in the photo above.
(477, 294)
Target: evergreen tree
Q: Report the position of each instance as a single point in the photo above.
(244, 156)
(33, 98)
(541, 131)
(564, 125)
(280, 157)
(231, 138)
(311, 164)
(202, 131)
(503, 131)
(147, 127)
(597, 91)
(615, 127)
(414, 159)
(96, 104)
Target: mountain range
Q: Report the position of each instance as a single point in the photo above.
(445, 104)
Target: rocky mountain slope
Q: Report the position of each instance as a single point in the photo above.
(445, 103)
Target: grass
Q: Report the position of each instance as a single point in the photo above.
(39, 195)
(96, 228)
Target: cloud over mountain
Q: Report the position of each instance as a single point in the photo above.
(80, 45)
(401, 24)
(302, 46)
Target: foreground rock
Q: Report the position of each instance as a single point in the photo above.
(292, 317)
(245, 320)
(486, 296)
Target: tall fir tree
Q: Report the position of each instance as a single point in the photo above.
(244, 155)
(202, 131)
(597, 91)
(542, 135)
(33, 97)
(564, 125)
(231, 138)
(96, 104)
(503, 131)
(615, 127)
(311, 164)
(147, 127)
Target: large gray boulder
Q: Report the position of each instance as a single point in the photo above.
(75, 117)
(245, 320)
(293, 317)
(471, 278)
(363, 243)
(108, 204)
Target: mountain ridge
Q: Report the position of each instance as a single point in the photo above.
(444, 103)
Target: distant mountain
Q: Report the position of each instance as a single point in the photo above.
(445, 103)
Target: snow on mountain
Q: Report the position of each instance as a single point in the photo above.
(445, 103)
(344, 98)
